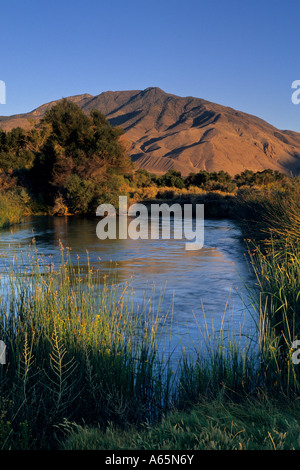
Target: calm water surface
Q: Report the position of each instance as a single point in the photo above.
(204, 291)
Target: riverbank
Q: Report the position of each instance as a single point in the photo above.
(16, 204)
(217, 204)
(11, 210)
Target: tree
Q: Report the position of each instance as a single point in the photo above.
(246, 178)
(198, 179)
(172, 179)
(142, 178)
(79, 154)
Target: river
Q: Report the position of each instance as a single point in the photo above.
(204, 291)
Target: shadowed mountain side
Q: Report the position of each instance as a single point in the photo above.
(189, 134)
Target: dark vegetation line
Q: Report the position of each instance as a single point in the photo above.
(82, 355)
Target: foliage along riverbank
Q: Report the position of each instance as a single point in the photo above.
(71, 162)
(17, 202)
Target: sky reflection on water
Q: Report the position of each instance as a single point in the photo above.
(203, 289)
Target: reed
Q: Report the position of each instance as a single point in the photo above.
(271, 225)
(77, 348)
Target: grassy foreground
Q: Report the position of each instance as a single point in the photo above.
(83, 369)
(210, 425)
(79, 350)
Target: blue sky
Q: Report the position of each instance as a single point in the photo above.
(243, 54)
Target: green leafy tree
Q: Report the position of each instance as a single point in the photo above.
(246, 178)
(79, 155)
(142, 178)
(172, 179)
(80, 193)
(199, 179)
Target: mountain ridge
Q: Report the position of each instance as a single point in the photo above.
(189, 134)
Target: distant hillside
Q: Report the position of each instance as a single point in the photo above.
(186, 133)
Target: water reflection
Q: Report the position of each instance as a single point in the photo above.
(198, 286)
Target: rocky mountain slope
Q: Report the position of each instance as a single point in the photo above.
(166, 131)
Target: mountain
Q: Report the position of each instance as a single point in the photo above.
(189, 134)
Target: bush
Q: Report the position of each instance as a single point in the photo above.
(171, 179)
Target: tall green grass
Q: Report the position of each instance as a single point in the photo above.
(80, 349)
(269, 215)
(77, 348)
(271, 225)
